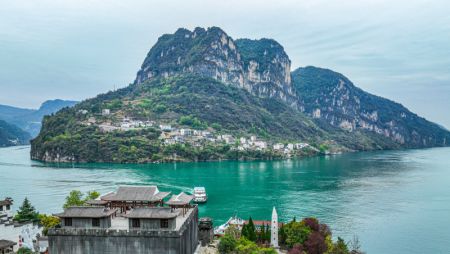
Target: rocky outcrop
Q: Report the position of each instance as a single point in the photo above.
(332, 97)
(259, 66)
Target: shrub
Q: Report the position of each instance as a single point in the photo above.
(227, 244)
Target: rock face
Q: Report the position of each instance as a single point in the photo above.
(332, 97)
(259, 66)
(205, 80)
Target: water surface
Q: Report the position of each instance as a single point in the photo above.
(395, 201)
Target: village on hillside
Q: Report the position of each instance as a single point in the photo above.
(171, 135)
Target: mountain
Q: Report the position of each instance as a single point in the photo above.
(259, 66)
(11, 135)
(332, 97)
(29, 120)
(200, 95)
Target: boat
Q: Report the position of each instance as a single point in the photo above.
(234, 221)
(200, 195)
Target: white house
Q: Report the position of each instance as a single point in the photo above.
(260, 144)
(186, 132)
(301, 145)
(106, 112)
(278, 146)
(165, 127)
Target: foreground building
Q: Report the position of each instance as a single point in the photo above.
(138, 225)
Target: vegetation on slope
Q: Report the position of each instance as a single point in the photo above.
(11, 135)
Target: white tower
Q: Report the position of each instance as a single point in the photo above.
(274, 229)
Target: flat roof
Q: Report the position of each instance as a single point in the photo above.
(85, 212)
(152, 213)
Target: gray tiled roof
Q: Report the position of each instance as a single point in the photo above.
(86, 212)
(152, 213)
(136, 193)
(180, 199)
(6, 243)
(96, 202)
(5, 202)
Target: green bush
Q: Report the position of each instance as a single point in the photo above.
(227, 244)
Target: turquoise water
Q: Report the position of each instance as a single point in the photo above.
(394, 201)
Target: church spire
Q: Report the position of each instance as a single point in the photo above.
(274, 229)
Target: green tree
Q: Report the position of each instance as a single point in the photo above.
(246, 246)
(340, 247)
(249, 230)
(26, 212)
(24, 250)
(92, 195)
(227, 244)
(48, 221)
(296, 232)
(75, 198)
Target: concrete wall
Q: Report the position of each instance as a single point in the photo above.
(87, 223)
(107, 241)
(152, 224)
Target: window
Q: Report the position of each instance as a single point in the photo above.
(8, 207)
(68, 222)
(96, 222)
(135, 223)
(1, 208)
(164, 223)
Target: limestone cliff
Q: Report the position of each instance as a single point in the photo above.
(332, 97)
(259, 66)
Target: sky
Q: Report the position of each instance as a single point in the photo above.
(77, 49)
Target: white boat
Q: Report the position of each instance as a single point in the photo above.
(200, 195)
(235, 221)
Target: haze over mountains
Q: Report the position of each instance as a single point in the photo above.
(27, 120)
(244, 86)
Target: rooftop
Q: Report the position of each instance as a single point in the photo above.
(152, 213)
(5, 202)
(180, 199)
(121, 223)
(6, 243)
(136, 193)
(96, 202)
(86, 212)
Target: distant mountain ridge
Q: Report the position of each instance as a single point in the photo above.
(205, 80)
(29, 120)
(11, 135)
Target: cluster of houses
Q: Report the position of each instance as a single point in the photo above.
(172, 135)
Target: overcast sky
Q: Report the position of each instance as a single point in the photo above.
(77, 49)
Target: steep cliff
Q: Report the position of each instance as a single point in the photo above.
(331, 96)
(259, 66)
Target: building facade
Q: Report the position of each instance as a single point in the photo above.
(138, 229)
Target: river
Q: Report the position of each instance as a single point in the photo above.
(394, 201)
